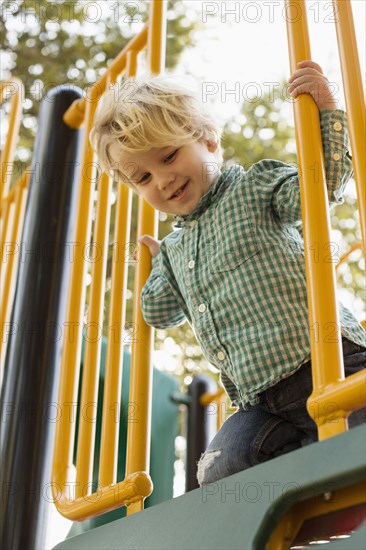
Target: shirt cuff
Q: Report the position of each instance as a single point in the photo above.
(334, 127)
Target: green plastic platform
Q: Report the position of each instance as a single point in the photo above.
(240, 511)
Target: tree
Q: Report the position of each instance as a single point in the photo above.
(46, 44)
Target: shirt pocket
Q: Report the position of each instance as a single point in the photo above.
(231, 239)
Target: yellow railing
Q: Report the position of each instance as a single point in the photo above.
(12, 210)
(12, 220)
(355, 101)
(14, 87)
(81, 502)
(329, 385)
(346, 255)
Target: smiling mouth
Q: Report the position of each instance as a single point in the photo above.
(180, 191)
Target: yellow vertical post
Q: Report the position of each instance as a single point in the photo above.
(355, 101)
(8, 277)
(327, 358)
(157, 36)
(138, 456)
(93, 344)
(16, 88)
(114, 362)
(7, 246)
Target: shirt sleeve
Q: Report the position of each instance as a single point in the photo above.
(278, 183)
(159, 306)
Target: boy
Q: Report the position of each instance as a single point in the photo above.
(235, 268)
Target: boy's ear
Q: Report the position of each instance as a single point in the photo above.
(212, 145)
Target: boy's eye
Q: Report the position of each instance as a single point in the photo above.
(144, 178)
(171, 156)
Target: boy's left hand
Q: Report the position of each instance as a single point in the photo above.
(309, 79)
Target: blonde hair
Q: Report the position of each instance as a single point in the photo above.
(149, 112)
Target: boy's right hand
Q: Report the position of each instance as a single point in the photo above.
(152, 244)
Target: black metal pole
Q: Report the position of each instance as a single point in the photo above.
(201, 426)
(29, 407)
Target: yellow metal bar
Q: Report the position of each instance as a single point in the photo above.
(338, 401)
(7, 220)
(74, 116)
(348, 253)
(327, 358)
(16, 88)
(139, 430)
(22, 180)
(93, 344)
(7, 217)
(157, 36)
(355, 101)
(128, 491)
(131, 63)
(8, 278)
(70, 368)
(220, 399)
(114, 360)
(207, 398)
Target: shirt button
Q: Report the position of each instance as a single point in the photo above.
(336, 156)
(337, 126)
(191, 264)
(221, 355)
(193, 223)
(202, 308)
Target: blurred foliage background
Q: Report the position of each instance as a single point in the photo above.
(51, 43)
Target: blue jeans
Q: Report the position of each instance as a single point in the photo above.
(278, 424)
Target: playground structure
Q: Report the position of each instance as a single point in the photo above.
(319, 489)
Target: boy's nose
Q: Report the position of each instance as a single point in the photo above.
(165, 181)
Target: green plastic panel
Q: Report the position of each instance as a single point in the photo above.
(240, 511)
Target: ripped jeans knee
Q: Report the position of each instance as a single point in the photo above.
(216, 464)
(205, 467)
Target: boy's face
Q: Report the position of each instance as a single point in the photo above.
(159, 173)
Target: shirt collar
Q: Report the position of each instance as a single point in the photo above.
(212, 195)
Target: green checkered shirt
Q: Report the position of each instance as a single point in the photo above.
(234, 268)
